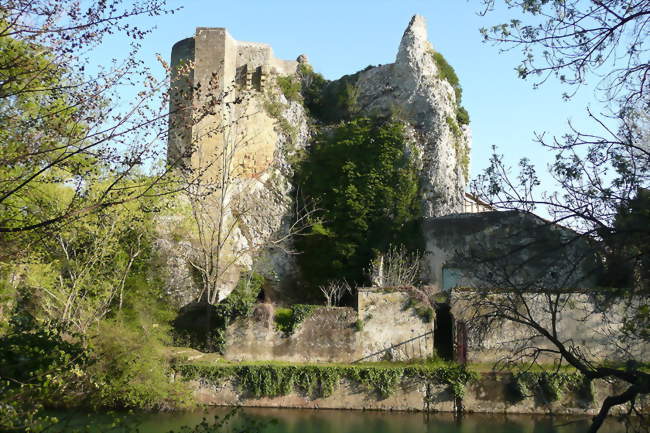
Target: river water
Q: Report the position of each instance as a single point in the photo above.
(345, 421)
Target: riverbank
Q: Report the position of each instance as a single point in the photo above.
(428, 387)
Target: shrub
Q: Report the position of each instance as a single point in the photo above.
(287, 320)
(130, 370)
(290, 87)
(447, 72)
(330, 101)
(40, 365)
(462, 116)
(283, 319)
(202, 326)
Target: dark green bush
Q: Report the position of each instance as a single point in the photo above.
(462, 116)
(360, 175)
(330, 101)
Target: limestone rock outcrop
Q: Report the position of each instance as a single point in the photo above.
(413, 89)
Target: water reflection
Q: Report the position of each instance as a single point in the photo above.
(341, 421)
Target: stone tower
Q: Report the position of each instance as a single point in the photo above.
(220, 80)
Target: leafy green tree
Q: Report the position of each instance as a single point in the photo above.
(60, 123)
(361, 174)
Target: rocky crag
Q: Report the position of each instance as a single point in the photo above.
(416, 89)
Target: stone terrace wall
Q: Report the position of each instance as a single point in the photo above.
(490, 394)
(388, 321)
(327, 335)
(592, 325)
(333, 334)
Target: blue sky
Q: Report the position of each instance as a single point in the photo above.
(341, 37)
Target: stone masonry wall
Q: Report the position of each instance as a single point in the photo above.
(490, 394)
(335, 334)
(590, 326)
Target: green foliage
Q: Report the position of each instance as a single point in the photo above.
(330, 101)
(91, 297)
(453, 126)
(37, 127)
(550, 385)
(447, 72)
(130, 369)
(358, 325)
(275, 108)
(313, 84)
(360, 174)
(241, 300)
(271, 380)
(287, 320)
(462, 151)
(383, 381)
(424, 312)
(462, 116)
(38, 367)
(290, 87)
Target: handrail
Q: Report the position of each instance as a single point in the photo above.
(394, 346)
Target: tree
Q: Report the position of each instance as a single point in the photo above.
(237, 213)
(79, 169)
(534, 316)
(599, 173)
(334, 291)
(62, 117)
(574, 39)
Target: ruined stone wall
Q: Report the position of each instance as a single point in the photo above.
(228, 70)
(327, 335)
(389, 319)
(336, 334)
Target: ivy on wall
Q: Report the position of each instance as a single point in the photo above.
(551, 386)
(259, 380)
(319, 381)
